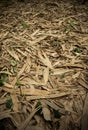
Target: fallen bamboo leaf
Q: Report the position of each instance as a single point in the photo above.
(8, 85)
(27, 63)
(46, 75)
(51, 96)
(31, 82)
(15, 102)
(74, 66)
(83, 83)
(60, 71)
(11, 90)
(38, 39)
(21, 71)
(12, 53)
(52, 104)
(34, 91)
(26, 91)
(23, 125)
(44, 59)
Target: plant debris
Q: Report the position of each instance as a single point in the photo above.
(43, 65)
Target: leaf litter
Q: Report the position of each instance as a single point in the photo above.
(43, 65)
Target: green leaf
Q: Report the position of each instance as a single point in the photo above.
(38, 105)
(77, 50)
(18, 83)
(9, 103)
(25, 26)
(3, 78)
(14, 62)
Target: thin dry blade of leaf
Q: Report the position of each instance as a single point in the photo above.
(24, 67)
(60, 71)
(23, 125)
(51, 104)
(83, 83)
(26, 91)
(46, 75)
(51, 96)
(45, 60)
(34, 91)
(31, 82)
(38, 39)
(15, 102)
(12, 53)
(21, 71)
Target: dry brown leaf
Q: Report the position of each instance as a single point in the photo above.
(38, 39)
(26, 91)
(30, 91)
(21, 52)
(21, 71)
(83, 83)
(11, 90)
(15, 102)
(44, 59)
(58, 95)
(46, 75)
(12, 53)
(23, 125)
(80, 66)
(60, 71)
(46, 113)
(8, 85)
(35, 32)
(52, 104)
(31, 82)
(27, 63)
(76, 75)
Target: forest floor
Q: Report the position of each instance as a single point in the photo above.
(43, 65)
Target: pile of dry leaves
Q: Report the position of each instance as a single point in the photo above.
(43, 65)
